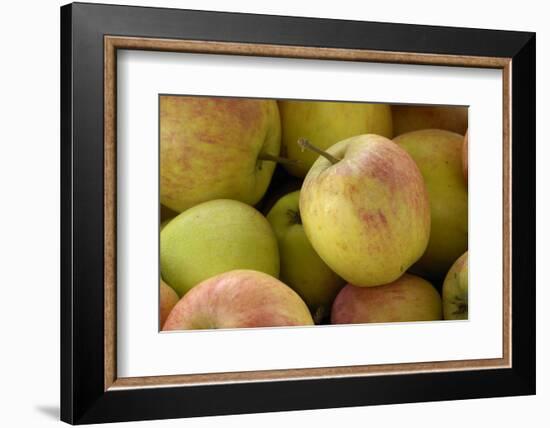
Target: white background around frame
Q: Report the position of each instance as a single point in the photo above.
(142, 351)
(29, 226)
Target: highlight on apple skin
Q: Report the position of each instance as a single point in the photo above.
(213, 148)
(409, 298)
(367, 212)
(239, 299)
(215, 237)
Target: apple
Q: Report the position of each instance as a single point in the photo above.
(409, 298)
(215, 237)
(407, 118)
(438, 154)
(301, 268)
(465, 157)
(365, 209)
(168, 299)
(216, 148)
(455, 290)
(239, 299)
(324, 124)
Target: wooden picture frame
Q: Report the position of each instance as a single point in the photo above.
(90, 389)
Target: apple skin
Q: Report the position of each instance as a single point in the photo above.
(324, 124)
(368, 215)
(239, 299)
(215, 237)
(407, 118)
(209, 149)
(301, 268)
(409, 298)
(455, 290)
(465, 157)
(168, 299)
(438, 154)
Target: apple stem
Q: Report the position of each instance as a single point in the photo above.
(278, 159)
(305, 144)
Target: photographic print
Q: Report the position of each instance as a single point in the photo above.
(291, 211)
(281, 212)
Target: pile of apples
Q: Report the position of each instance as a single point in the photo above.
(293, 213)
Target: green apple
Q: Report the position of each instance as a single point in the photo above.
(409, 298)
(168, 299)
(365, 209)
(301, 268)
(324, 124)
(216, 148)
(407, 118)
(438, 155)
(239, 299)
(455, 290)
(215, 237)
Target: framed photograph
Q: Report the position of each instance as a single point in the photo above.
(267, 213)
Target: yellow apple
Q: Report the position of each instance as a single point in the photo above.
(438, 155)
(212, 148)
(215, 237)
(324, 124)
(455, 290)
(366, 211)
(239, 299)
(409, 298)
(301, 268)
(407, 118)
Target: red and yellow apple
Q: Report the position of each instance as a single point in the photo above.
(407, 118)
(438, 154)
(239, 299)
(324, 124)
(168, 299)
(215, 237)
(409, 298)
(366, 211)
(212, 148)
(455, 290)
